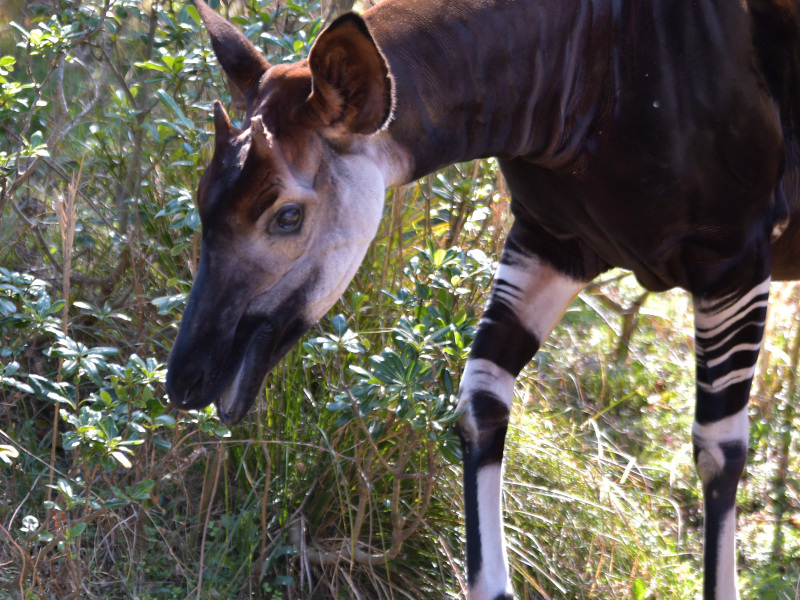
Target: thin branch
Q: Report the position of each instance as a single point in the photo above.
(90, 32)
(38, 235)
(85, 111)
(24, 562)
(59, 537)
(220, 459)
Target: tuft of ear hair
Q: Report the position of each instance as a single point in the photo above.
(351, 82)
(222, 123)
(241, 62)
(259, 137)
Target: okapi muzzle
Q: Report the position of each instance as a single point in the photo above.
(289, 204)
(230, 340)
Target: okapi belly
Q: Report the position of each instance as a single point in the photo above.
(669, 233)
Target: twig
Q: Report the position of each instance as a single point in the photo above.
(629, 327)
(65, 210)
(25, 560)
(60, 537)
(38, 235)
(58, 171)
(24, 500)
(220, 459)
(85, 111)
(90, 32)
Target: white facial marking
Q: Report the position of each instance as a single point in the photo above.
(393, 161)
(344, 243)
(376, 162)
(341, 219)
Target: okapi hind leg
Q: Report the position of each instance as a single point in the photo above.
(728, 335)
(528, 298)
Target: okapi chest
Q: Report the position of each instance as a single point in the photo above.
(656, 136)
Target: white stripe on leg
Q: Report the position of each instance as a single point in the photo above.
(710, 437)
(541, 296)
(715, 319)
(481, 375)
(726, 558)
(528, 297)
(493, 577)
(716, 444)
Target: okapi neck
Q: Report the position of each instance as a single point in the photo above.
(478, 78)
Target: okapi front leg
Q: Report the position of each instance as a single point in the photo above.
(527, 300)
(728, 336)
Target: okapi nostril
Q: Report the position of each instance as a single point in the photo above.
(184, 392)
(193, 390)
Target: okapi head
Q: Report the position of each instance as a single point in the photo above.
(289, 204)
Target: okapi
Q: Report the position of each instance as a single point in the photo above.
(656, 136)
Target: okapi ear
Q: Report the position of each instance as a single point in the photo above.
(241, 62)
(351, 84)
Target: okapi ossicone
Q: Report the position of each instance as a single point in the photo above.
(656, 136)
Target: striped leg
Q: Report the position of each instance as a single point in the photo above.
(728, 335)
(527, 300)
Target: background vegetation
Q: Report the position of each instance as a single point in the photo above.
(343, 483)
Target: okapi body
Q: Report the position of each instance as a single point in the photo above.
(656, 136)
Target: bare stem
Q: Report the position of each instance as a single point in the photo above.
(65, 210)
(220, 460)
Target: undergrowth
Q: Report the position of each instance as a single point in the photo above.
(344, 481)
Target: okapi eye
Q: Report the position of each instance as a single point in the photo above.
(288, 218)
